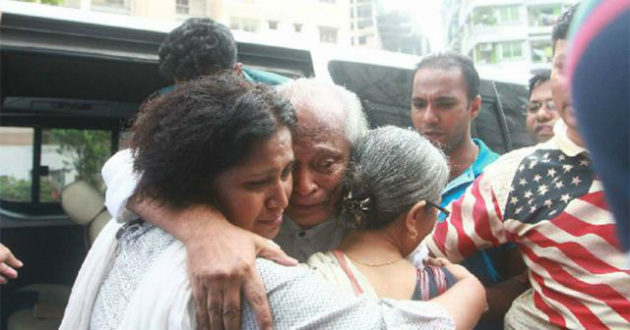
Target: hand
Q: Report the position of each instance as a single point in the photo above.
(7, 264)
(459, 272)
(221, 263)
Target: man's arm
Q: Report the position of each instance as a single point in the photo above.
(476, 223)
(221, 256)
(501, 295)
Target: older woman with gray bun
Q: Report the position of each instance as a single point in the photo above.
(391, 199)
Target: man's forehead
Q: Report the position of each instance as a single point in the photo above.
(318, 122)
(439, 80)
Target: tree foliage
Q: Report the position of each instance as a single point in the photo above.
(88, 150)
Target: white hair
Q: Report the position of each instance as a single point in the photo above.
(394, 168)
(326, 100)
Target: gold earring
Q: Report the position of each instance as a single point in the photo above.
(413, 235)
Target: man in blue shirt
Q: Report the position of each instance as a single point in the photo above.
(445, 100)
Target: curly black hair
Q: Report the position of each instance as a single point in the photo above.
(184, 139)
(560, 29)
(198, 47)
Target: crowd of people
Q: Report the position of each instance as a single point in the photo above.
(244, 184)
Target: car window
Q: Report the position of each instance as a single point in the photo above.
(40, 162)
(16, 151)
(384, 91)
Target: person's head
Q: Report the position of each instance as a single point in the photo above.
(395, 179)
(445, 99)
(330, 122)
(540, 111)
(220, 142)
(199, 47)
(559, 85)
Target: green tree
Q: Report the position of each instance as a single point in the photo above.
(88, 150)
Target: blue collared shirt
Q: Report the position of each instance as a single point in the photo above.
(456, 187)
(482, 264)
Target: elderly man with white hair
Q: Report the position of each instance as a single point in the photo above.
(330, 122)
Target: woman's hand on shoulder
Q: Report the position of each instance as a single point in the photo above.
(221, 263)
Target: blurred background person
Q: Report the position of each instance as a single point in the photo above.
(540, 111)
(598, 70)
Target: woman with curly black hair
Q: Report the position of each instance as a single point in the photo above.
(222, 142)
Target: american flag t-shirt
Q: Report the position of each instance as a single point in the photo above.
(551, 205)
(545, 183)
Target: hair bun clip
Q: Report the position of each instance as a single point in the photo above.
(356, 208)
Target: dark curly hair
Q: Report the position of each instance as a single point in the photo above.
(560, 29)
(184, 139)
(198, 47)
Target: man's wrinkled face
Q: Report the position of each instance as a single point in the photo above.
(440, 110)
(322, 152)
(540, 114)
(559, 86)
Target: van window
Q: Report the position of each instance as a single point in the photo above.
(40, 162)
(16, 152)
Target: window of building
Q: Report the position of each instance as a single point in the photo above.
(364, 23)
(362, 40)
(511, 50)
(541, 51)
(273, 25)
(486, 53)
(484, 16)
(364, 11)
(509, 14)
(545, 15)
(327, 34)
(182, 7)
(115, 6)
(297, 27)
(244, 24)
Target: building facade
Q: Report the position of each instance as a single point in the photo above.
(503, 34)
(301, 21)
(357, 23)
(363, 24)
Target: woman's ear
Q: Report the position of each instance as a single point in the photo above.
(415, 220)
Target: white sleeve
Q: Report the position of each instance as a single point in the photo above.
(121, 182)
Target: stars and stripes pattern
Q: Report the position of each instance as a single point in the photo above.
(545, 183)
(554, 210)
